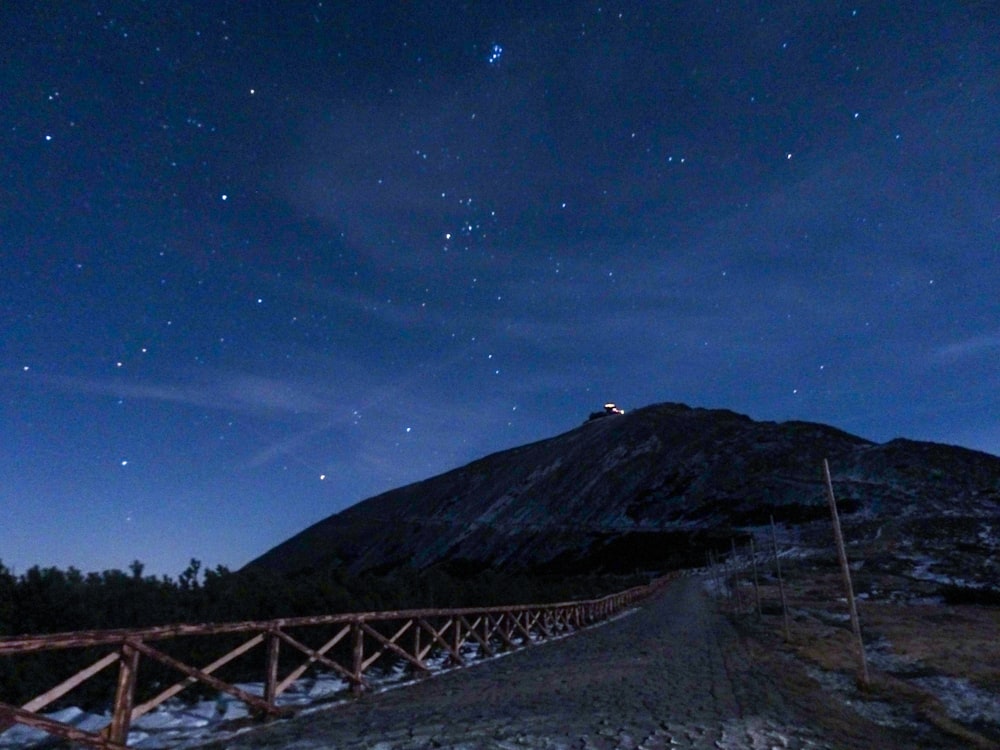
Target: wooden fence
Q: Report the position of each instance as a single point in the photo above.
(346, 644)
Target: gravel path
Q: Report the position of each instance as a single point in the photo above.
(674, 674)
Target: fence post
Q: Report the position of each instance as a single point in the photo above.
(781, 582)
(271, 668)
(456, 639)
(848, 586)
(121, 719)
(358, 659)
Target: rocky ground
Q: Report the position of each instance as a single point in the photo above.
(676, 673)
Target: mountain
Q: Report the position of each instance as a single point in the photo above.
(651, 489)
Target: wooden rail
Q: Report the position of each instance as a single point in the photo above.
(346, 644)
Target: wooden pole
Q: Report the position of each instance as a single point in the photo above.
(781, 583)
(456, 640)
(848, 586)
(121, 717)
(357, 656)
(416, 645)
(271, 668)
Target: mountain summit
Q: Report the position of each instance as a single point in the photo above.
(647, 489)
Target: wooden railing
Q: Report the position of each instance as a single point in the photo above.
(346, 644)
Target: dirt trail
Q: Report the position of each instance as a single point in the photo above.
(674, 674)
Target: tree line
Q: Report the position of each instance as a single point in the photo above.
(51, 600)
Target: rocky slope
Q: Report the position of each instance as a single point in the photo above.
(650, 489)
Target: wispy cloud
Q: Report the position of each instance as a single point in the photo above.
(971, 346)
(237, 392)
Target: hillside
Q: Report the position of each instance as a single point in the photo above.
(650, 489)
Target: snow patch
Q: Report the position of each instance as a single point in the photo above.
(963, 701)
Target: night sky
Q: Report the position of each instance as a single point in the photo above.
(263, 260)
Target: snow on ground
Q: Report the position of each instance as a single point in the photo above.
(962, 700)
(177, 724)
(20, 736)
(923, 570)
